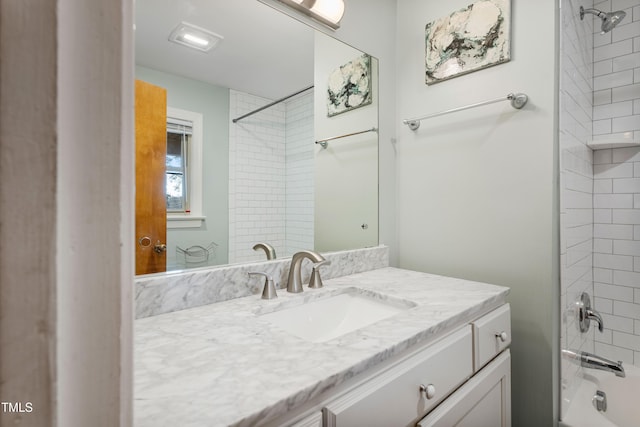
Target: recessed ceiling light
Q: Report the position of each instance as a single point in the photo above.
(194, 37)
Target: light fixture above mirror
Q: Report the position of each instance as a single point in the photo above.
(327, 12)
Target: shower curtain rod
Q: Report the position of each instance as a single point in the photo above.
(272, 104)
(518, 100)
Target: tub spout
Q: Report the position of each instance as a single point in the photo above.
(588, 360)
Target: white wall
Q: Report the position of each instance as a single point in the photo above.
(370, 26)
(94, 214)
(346, 172)
(66, 132)
(477, 190)
(28, 169)
(576, 182)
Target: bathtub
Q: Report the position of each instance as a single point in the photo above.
(622, 400)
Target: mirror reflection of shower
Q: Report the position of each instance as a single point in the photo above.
(609, 20)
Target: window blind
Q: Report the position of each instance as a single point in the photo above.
(182, 127)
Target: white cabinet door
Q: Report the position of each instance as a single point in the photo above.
(484, 401)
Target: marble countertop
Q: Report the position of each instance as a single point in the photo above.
(220, 365)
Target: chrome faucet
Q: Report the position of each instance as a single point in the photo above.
(294, 283)
(267, 248)
(588, 360)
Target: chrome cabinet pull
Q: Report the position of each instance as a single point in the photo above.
(429, 390)
(503, 336)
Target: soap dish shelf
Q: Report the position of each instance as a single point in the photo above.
(614, 143)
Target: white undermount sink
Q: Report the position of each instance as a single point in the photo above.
(323, 319)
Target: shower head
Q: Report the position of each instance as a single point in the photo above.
(609, 20)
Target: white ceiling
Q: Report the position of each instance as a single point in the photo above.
(264, 52)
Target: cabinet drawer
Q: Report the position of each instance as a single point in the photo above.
(484, 401)
(394, 397)
(314, 420)
(491, 335)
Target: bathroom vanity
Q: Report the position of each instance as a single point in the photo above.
(440, 358)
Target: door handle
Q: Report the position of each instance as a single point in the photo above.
(160, 247)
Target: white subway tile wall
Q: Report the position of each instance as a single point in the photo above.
(261, 167)
(617, 252)
(616, 74)
(256, 177)
(576, 175)
(299, 173)
(605, 217)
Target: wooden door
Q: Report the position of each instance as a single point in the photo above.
(151, 154)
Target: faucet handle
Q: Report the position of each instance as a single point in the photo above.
(584, 314)
(316, 280)
(269, 290)
(594, 315)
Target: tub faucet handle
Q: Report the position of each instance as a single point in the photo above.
(594, 315)
(585, 314)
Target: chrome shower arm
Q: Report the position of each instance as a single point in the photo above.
(598, 13)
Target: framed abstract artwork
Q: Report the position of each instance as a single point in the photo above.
(468, 40)
(349, 86)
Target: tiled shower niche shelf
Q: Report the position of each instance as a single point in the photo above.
(612, 143)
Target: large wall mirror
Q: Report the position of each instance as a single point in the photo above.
(229, 184)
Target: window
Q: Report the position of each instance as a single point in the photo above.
(179, 139)
(184, 169)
